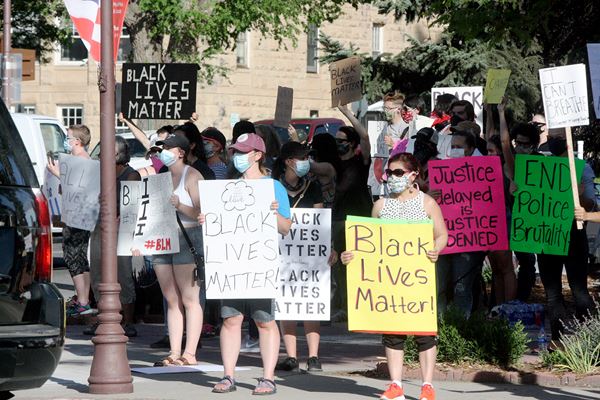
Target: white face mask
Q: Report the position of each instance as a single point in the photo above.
(457, 153)
(398, 184)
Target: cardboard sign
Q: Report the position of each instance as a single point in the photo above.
(148, 220)
(283, 109)
(564, 93)
(159, 91)
(495, 85)
(51, 191)
(542, 214)
(346, 81)
(80, 185)
(473, 94)
(391, 282)
(593, 50)
(472, 202)
(304, 275)
(444, 145)
(241, 250)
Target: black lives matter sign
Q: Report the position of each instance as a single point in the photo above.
(159, 91)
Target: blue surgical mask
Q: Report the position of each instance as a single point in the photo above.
(241, 162)
(457, 153)
(209, 149)
(302, 168)
(167, 157)
(67, 145)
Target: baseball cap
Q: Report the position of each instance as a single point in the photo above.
(216, 135)
(248, 142)
(427, 134)
(175, 141)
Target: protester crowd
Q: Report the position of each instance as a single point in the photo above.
(334, 172)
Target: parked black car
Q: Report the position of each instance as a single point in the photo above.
(32, 310)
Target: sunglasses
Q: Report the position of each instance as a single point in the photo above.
(396, 172)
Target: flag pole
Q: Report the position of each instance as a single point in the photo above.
(110, 373)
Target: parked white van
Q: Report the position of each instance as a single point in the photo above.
(41, 135)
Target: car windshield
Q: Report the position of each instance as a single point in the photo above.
(53, 136)
(136, 149)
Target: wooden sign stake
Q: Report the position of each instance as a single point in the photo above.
(573, 171)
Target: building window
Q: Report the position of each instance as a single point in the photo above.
(75, 50)
(71, 115)
(312, 48)
(377, 39)
(241, 49)
(26, 108)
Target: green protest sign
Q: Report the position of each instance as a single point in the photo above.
(543, 210)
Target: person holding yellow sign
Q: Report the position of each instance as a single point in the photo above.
(408, 203)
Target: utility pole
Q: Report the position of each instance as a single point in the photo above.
(110, 373)
(6, 52)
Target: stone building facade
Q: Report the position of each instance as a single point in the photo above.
(68, 89)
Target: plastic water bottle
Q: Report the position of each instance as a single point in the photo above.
(541, 339)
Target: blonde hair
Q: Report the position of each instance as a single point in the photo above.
(82, 133)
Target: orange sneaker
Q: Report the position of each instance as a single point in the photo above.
(393, 392)
(427, 392)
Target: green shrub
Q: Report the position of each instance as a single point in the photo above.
(552, 360)
(580, 351)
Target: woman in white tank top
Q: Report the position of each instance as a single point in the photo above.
(175, 271)
(408, 203)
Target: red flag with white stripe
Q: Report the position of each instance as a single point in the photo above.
(85, 15)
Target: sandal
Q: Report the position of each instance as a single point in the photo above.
(227, 383)
(264, 383)
(166, 362)
(183, 361)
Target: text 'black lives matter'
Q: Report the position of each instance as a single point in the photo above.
(159, 91)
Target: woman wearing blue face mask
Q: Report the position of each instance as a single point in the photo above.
(175, 272)
(291, 169)
(248, 160)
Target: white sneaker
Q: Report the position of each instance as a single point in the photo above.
(249, 345)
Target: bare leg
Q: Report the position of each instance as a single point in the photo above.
(395, 360)
(313, 337)
(190, 298)
(82, 287)
(268, 334)
(288, 330)
(166, 279)
(231, 341)
(427, 361)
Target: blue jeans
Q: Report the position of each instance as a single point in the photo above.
(455, 275)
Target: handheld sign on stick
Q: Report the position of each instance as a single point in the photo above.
(346, 84)
(283, 109)
(564, 92)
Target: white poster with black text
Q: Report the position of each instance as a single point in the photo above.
(240, 239)
(80, 186)
(304, 275)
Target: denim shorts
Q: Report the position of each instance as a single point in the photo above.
(185, 255)
(260, 310)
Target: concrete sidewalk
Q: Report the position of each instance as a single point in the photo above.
(340, 354)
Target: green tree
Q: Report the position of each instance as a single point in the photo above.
(34, 25)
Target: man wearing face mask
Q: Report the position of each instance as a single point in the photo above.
(463, 145)
(214, 150)
(540, 122)
(576, 262)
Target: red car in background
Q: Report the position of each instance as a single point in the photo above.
(309, 126)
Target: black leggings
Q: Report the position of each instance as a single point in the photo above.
(75, 246)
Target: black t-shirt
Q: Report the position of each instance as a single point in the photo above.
(352, 195)
(313, 195)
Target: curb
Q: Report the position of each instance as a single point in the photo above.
(513, 377)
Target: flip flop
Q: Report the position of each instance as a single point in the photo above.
(228, 383)
(264, 383)
(183, 361)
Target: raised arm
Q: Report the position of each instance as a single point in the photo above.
(509, 158)
(490, 129)
(365, 145)
(137, 132)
